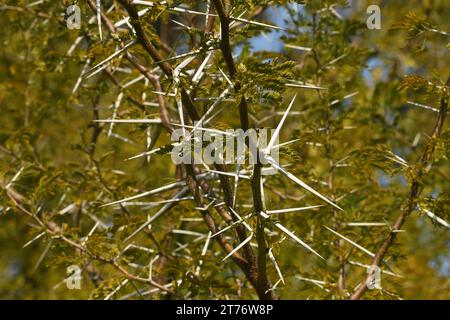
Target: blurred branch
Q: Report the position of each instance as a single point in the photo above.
(415, 190)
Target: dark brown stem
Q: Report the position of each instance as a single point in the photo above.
(263, 283)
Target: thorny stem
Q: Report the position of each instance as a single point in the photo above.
(187, 102)
(422, 167)
(263, 284)
(54, 230)
(247, 263)
(228, 56)
(263, 281)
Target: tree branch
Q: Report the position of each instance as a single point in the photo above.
(263, 284)
(414, 193)
(247, 264)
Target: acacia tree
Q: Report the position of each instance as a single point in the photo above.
(361, 185)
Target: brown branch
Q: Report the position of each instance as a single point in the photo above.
(54, 230)
(186, 98)
(263, 284)
(164, 114)
(246, 264)
(228, 56)
(414, 193)
(145, 42)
